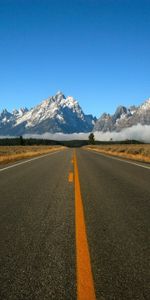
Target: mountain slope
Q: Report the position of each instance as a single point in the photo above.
(55, 114)
(61, 114)
(124, 118)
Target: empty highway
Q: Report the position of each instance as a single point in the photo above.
(75, 224)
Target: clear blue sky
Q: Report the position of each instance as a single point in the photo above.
(95, 50)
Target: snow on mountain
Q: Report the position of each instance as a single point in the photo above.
(124, 118)
(145, 105)
(64, 114)
(55, 114)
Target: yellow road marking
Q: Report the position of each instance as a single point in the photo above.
(85, 283)
(70, 177)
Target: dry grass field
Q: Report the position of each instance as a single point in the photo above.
(135, 152)
(15, 153)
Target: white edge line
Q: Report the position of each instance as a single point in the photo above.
(26, 161)
(116, 158)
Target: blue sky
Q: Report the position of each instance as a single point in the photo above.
(95, 50)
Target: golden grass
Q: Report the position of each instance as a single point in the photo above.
(14, 153)
(134, 152)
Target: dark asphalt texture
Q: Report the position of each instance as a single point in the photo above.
(37, 256)
(37, 228)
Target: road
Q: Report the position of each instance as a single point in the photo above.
(74, 225)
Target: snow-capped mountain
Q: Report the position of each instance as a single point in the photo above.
(124, 118)
(55, 114)
(63, 114)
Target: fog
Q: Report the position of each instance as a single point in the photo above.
(138, 132)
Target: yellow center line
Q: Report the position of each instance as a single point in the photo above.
(70, 177)
(85, 283)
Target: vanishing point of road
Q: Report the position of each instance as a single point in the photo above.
(74, 224)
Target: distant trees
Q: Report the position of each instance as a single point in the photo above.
(21, 140)
(91, 138)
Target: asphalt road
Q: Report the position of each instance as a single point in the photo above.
(39, 226)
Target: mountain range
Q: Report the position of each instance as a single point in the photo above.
(55, 114)
(124, 118)
(64, 114)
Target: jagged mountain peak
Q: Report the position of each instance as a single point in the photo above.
(5, 111)
(15, 111)
(124, 118)
(146, 104)
(60, 99)
(20, 111)
(60, 102)
(121, 109)
(5, 114)
(59, 113)
(105, 115)
(60, 94)
(55, 114)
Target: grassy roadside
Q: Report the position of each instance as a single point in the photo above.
(135, 152)
(14, 153)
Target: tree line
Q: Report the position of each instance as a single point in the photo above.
(20, 141)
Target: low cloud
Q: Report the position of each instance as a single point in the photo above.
(138, 132)
(59, 136)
